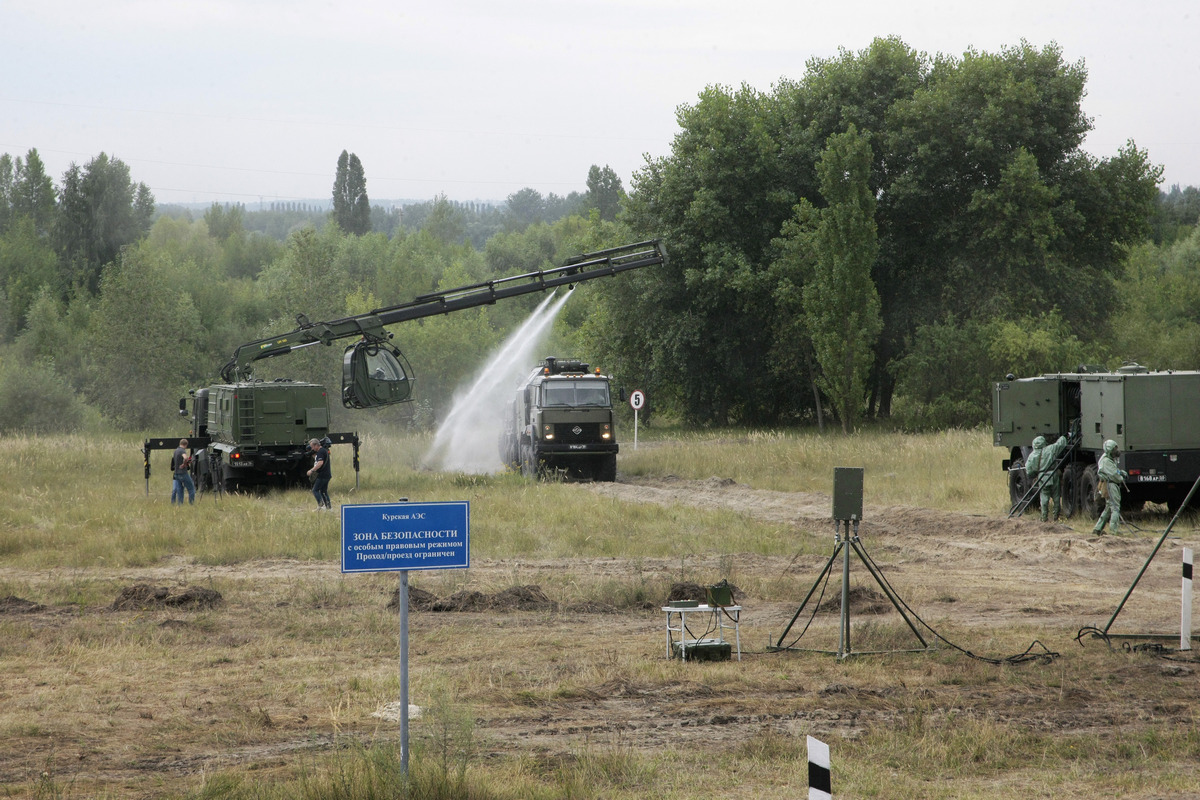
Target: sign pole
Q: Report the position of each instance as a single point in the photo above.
(636, 400)
(399, 537)
(404, 672)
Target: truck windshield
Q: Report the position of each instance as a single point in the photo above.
(573, 394)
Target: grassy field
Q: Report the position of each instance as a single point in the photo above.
(273, 692)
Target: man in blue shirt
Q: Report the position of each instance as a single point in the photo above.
(182, 475)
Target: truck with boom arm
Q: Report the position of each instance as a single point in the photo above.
(246, 432)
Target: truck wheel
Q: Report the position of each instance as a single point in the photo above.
(229, 479)
(204, 479)
(606, 469)
(1089, 502)
(1018, 482)
(528, 465)
(1175, 502)
(1070, 490)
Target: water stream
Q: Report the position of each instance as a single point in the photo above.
(468, 440)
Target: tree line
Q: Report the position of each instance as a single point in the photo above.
(999, 245)
(879, 238)
(109, 311)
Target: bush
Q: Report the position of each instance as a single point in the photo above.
(34, 399)
(946, 379)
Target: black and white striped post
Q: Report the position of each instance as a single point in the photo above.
(819, 787)
(1185, 613)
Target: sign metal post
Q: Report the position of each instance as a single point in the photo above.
(397, 537)
(636, 400)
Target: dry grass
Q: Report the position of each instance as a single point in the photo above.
(956, 470)
(272, 693)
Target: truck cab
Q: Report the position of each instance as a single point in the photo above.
(561, 420)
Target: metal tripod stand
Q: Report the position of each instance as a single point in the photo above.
(845, 543)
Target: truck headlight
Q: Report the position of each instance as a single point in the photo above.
(606, 432)
(548, 431)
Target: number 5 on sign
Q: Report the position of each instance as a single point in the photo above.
(636, 400)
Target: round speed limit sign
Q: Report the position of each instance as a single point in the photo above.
(637, 399)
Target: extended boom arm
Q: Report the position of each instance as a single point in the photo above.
(370, 326)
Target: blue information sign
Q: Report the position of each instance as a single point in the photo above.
(388, 537)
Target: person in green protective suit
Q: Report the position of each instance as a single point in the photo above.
(1109, 472)
(1040, 468)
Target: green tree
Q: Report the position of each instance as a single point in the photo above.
(840, 301)
(1177, 216)
(445, 222)
(718, 202)
(604, 191)
(7, 170)
(944, 379)
(985, 206)
(143, 345)
(27, 265)
(991, 208)
(33, 193)
(56, 334)
(1157, 323)
(100, 211)
(558, 207)
(524, 208)
(225, 221)
(351, 206)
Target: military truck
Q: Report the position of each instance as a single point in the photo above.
(254, 434)
(246, 432)
(1154, 417)
(561, 420)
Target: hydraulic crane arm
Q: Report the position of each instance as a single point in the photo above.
(370, 327)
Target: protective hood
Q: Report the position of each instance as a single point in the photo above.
(1110, 448)
(1039, 443)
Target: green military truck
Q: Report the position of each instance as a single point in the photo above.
(1154, 417)
(561, 419)
(255, 434)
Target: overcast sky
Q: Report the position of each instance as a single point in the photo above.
(253, 100)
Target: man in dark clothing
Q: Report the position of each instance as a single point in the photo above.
(321, 471)
(182, 475)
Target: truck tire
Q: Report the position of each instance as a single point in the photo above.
(204, 478)
(1090, 503)
(1018, 482)
(528, 463)
(229, 479)
(1175, 502)
(606, 469)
